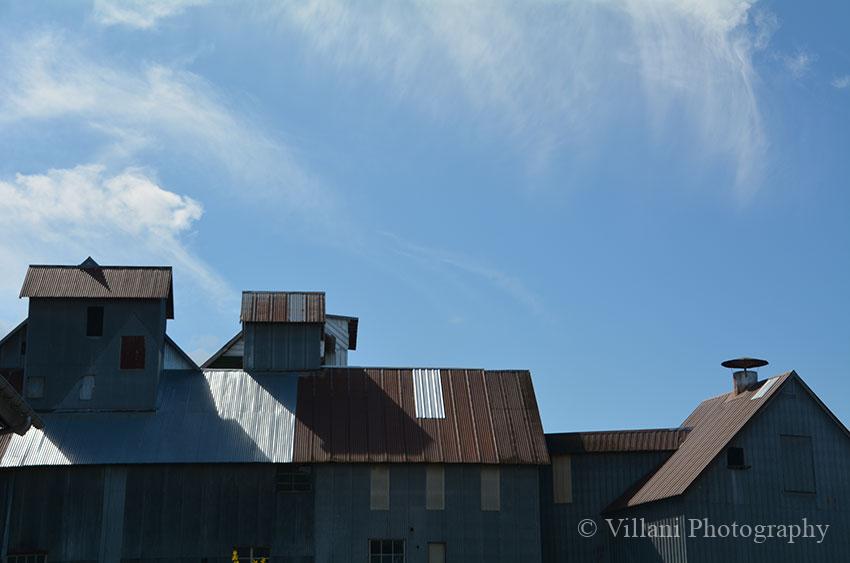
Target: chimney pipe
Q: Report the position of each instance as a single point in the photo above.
(744, 377)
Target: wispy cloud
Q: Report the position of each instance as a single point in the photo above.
(549, 73)
(140, 14)
(799, 63)
(841, 82)
(83, 210)
(151, 108)
(446, 262)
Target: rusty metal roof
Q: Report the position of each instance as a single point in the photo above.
(92, 281)
(609, 441)
(369, 415)
(713, 425)
(283, 307)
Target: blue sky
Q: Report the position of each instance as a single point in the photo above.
(615, 195)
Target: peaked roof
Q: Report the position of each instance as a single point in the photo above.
(370, 415)
(90, 280)
(283, 307)
(324, 416)
(713, 425)
(610, 441)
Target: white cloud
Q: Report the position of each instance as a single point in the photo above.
(140, 14)
(550, 73)
(82, 210)
(154, 108)
(841, 82)
(799, 63)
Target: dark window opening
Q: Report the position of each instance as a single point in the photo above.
(292, 479)
(386, 551)
(330, 350)
(94, 321)
(735, 458)
(132, 352)
(26, 558)
(251, 554)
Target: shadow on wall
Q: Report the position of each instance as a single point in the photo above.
(358, 415)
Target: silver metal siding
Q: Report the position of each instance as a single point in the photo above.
(211, 416)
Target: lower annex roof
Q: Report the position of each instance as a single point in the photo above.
(329, 415)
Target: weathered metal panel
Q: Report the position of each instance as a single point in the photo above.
(211, 416)
(283, 307)
(334, 426)
(60, 353)
(509, 535)
(713, 424)
(649, 440)
(282, 346)
(174, 358)
(12, 347)
(428, 393)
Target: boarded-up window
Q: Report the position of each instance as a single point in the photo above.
(562, 479)
(87, 388)
(435, 489)
(436, 552)
(35, 387)
(379, 497)
(132, 352)
(94, 321)
(798, 464)
(490, 494)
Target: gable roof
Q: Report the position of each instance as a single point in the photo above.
(713, 424)
(172, 347)
(283, 307)
(92, 281)
(21, 326)
(612, 441)
(324, 416)
(222, 351)
(369, 415)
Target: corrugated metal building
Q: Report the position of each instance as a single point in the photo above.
(123, 449)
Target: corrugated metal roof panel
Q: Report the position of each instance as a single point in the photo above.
(102, 282)
(428, 393)
(649, 440)
(283, 307)
(713, 425)
(369, 415)
(202, 417)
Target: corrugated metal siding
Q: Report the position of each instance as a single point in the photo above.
(650, 440)
(174, 358)
(713, 424)
(369, 415)
(428, 393)
(283, 307)
(212, 416)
